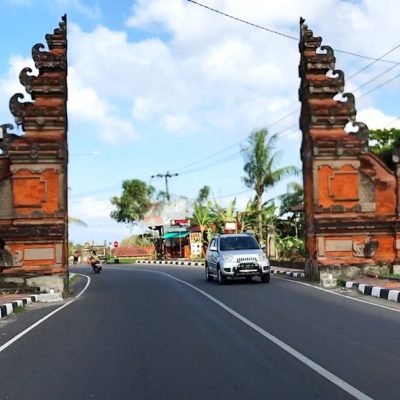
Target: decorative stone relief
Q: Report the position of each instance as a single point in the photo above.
(367, 248)
(18, 258)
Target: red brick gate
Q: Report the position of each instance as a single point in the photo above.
(351, 197)
(33, 174)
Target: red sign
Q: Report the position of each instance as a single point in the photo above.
(180, 222)
(115, 243)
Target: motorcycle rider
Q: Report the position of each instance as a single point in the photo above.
(94, 260)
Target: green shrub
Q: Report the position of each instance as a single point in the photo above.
(341, 282)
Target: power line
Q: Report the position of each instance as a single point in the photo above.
(243, 21)
(284, 34)
(240, 141)
(380, 85)
(374, 61)
(218, 162)
(376, 77)
(228, 158)
(235, 194)
(94, 191)
(391, 122)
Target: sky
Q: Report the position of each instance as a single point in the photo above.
(159, 86)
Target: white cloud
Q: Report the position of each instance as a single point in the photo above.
(90, 11)
(377, 119)
(89, 207)
(9, 85)
(86, 105)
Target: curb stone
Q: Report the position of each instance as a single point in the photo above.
(170, 262)
(375, 291)
(8, 308)
(287, 273)
(368, 290)
(198, 263)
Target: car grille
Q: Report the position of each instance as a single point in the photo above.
(246, 259)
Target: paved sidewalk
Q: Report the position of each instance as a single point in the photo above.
(381, 288)
(9, 302)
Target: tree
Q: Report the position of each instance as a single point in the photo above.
(134, 202)
(201, 216)
(76, 221)
(292, 209)
(383, 142)
(247, 219)
(204, 194)
(221, 215)
(136, 240)
(260, 167)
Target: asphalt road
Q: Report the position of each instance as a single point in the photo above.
(137, 333)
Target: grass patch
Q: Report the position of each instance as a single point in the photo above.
(19, 310)
(73, 278)
(391, 276)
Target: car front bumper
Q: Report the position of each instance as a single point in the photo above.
(249, 269)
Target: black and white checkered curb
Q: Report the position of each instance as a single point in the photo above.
(376, 291)
(199, 263)
(169, 262)
(8, 308)
(287, 273)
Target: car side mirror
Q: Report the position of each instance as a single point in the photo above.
(213, 248)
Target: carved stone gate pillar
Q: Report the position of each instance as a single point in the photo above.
(33, 174)
(350, 196)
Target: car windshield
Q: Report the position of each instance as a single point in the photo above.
(238, 243)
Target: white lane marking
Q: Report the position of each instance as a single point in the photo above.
(299, 356)
(24, 332)
(342, 295)
(392, 293)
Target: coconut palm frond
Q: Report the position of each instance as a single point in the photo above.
(77, 221)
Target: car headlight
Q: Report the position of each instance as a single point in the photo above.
(262, 257)
(228, 258)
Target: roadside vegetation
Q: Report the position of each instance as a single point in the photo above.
(281, 217)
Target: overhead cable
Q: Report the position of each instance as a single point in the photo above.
(374, 61)
(239, 142)
(284, 34)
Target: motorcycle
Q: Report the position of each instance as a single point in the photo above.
(96, 266)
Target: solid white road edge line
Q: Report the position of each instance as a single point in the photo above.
(24, 332)
(338, 294)
(302, 358)
(274, 276)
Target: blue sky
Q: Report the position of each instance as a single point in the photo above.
(157, 86)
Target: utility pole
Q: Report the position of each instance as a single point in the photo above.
(165, 176)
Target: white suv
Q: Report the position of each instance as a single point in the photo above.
(234, 256)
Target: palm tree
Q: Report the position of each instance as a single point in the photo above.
(292, 206)
(76, 221)
(201, 216)
(260, 167)
(223, 215)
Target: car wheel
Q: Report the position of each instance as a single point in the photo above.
(221, 278)
(265, 278)
(208, 276)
